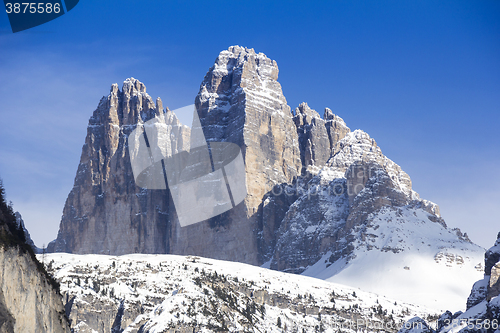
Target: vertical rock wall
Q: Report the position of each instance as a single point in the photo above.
(241, 101)
(105, 211)
(28, 302)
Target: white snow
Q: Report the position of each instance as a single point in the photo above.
(429, 267)
(171, 278)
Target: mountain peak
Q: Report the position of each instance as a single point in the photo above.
(330, 116)
(237, 73)
(305, 111)
(133, 86)
(129, 106)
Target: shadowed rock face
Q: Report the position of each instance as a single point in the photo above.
(492, 268)
(105, 211)
(317, 136)
(492, 256)
(314, 142)
(489, 286)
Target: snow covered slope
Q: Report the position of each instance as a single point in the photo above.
(167, 293)
(401, 254)
(483, 303)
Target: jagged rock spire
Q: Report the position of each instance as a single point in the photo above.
(105, 211)
(317, 137)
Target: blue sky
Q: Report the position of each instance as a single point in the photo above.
(421, 77)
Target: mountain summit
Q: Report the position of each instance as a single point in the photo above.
(322, 200)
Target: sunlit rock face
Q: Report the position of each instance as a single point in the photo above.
(241, 101)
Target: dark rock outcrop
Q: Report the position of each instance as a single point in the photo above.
(317, 136)
(478, 293)
(489, 286)
(27, 236)
(492, 269)
(314, 141)
(492, 256)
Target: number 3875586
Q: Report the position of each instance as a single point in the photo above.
(32, 8)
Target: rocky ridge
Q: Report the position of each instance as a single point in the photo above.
(27, 236)
(170, 293)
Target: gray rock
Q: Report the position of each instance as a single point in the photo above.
(494, 285)
(314, 142)
(492, 256)
(478, 293)
(105, 211)
(28, 301)
(312, 226)
(335, 126)
(27, 236)
(444, 319)
(370, 188)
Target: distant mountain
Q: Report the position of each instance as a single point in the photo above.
(322, 200)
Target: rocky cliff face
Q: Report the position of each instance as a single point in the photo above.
(312, 184)
(357, 181)
(28, 301)
(317, 136)
(241, 101)
(105, 211)
(29, 297)
(27, 236)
